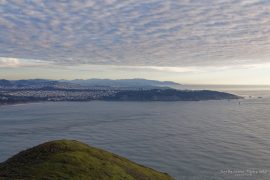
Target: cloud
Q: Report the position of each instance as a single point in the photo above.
(16, 63)
(152, 33)
(9, 62)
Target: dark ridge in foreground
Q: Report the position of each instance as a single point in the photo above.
(69, 159)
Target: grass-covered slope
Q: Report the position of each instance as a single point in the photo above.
(69, 159)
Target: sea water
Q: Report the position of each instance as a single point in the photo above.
(189, 140)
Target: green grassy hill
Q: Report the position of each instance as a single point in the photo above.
(68, 159)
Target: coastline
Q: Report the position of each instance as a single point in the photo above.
(40, 102)
(20, 103)
(153, 95)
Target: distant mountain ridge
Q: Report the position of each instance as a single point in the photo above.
(121, 82)
(32, 83)
(40, 83)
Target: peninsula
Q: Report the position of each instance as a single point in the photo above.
(24, 91)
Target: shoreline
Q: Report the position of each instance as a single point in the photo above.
(21, 103)
(40, 102)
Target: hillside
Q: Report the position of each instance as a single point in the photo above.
(34, 84)
(121, 82)
(69, 159)
(80, 83)
(169, 95)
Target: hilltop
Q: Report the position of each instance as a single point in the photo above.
(69, 159)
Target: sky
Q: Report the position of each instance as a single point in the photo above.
(187, 41)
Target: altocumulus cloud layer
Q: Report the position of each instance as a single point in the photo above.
(136, 32)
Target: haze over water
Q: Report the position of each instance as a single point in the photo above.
(189, 140)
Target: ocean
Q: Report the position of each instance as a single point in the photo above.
(224, 139)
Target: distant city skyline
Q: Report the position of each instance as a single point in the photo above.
(190, 42)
